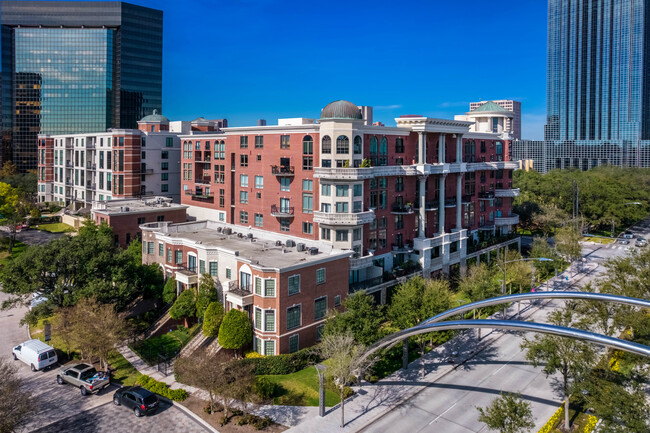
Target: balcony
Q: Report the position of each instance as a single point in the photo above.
(506, 192)
(489, 195)
(205, 180)
(282, 170)
(344, 219)
(282, 211)
(429, 204)
(493, 165)
(507, 221)
(466, 199)
(487, 226)
(199, 193)
(91, 166)
(343, 173)
(239, 296)
(402, 248)
(450, 202)
(361, 262)
(402, 209)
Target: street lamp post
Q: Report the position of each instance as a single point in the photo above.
(503, 284)
(320, 368)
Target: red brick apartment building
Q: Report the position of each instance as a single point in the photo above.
(427, 190)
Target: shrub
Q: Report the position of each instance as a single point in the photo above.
(185, 306)
(264, 388)
(260, 423)
(283, 364)
(236, 330)
(253, 354)
(161, 388)
(217, 407)
(224, 420)
(169, 291)
(212, 319)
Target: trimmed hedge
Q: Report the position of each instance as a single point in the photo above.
(161, 388)
(282, 364)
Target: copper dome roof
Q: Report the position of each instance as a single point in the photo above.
(341, 110)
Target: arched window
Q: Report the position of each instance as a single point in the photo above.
(326, 147)
(357, 144)
(342, 144)
(308, 145)
(383, 146)
(373, 146)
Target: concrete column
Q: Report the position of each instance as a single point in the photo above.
(459, 201)
(422, 147)
(441, 205)
(423, 210)
(459, 148)
(441, 149)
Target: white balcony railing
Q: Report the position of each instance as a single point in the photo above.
(506, 192)
(506, 221)
(344, 219)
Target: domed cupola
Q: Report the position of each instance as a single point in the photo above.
(341, 110)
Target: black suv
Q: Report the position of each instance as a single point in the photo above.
(141, 401)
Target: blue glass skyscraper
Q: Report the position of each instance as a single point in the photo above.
(75, 67)
(598, 86)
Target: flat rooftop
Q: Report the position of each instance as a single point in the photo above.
(256, 247)
(140, 205)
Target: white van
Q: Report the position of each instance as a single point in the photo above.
(36, 354)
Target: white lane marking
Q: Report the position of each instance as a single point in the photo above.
(438, 417)
(500, 368)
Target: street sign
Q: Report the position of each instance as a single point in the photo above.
(48, 332)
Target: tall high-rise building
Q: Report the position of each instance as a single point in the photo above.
(75, 67)
(598, 91)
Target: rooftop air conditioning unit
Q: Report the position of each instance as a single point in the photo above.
(219, 229)
(313, 251)
(300, 246)
(227, 231)
(239, 235)
(278, 243)
(250, 236)
(291, 243)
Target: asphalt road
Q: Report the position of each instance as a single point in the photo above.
(449, 404)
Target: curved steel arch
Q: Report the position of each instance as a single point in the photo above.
(511, 325)
(537, 295)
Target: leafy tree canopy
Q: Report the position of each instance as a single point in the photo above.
(508, 414)
(212, 319)
(236, 330)
(362, 318)
(185, 305)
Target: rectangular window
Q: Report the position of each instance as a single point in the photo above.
(161, 249)
(307, 162)
(356, 206)
(259, 220)
(307, 185)
(285, 225)
(269, 287)
(243, 197)
(341, 235)
(284, 142)
(164, 176)
(326, 190)
(293, 344)
(243, 160)
(164, 166)
(169, 142)
(243, 180)
(325, 234)
(320, 274)
(294, 284)
(307, 203)
(164, 187)
(356, 234)
(228, 273)
(258, 286)
(213, 268)
(259, 182)
(243, 217)
(179, 257)
(169, 255)
(258, 318)
(320, 308)
(201, 267)
(293, 317)
(149, 247)
(341, 207)
(341, 190)
(337, 300)
(358, 190)
(284, 183)
(259, 141)
(243, 142)
(269, 348)
(307, 228)
(269, 321)
(164, 154)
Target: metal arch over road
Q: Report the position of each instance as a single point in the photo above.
(511, 325)
(538, 295)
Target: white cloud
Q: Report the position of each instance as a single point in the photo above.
(387, 107)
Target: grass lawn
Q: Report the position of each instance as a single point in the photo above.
(301, 389)
(598, 240)
(18, 249)
(56, 228)
(122, 370)
(169, 343)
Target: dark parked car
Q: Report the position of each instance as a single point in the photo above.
(141, 401)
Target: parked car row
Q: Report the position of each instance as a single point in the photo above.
(40, 356)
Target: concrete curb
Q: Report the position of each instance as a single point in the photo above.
(194, 416)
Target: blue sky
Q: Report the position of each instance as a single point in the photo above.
(246, 60)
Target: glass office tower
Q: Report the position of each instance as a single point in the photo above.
(74, 67)
(598, 88)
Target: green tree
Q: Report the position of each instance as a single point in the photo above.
(567, 243)
(236, 330)
(14, 208)
(549, 218)
(417, 300)
(207, 293)
(541, 248)
(212, 319)
(169, 291)
(184, 307)
(572, 358)
(362, 317)
(508, 414)
(480, 282)
(345, 362)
